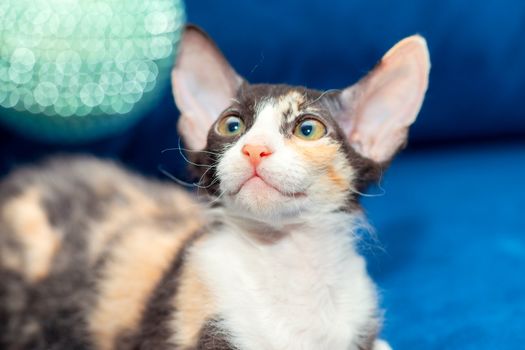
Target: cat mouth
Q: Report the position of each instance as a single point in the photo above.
(257, 180)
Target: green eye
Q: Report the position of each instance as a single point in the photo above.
(310, 129)
(231, 126)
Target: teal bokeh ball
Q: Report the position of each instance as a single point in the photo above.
(76, 70)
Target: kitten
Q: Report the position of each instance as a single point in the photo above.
(93, 257)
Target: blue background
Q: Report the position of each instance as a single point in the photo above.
(451, 257)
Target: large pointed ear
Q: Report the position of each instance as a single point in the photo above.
(203, 85)
(377, 111)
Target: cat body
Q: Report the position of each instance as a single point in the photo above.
(94, 257)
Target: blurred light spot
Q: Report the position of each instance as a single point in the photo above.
(91, 94)
(76, 57)
(45, 94)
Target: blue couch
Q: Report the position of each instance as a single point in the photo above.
(451, 257)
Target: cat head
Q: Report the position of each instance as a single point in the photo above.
(273, 152)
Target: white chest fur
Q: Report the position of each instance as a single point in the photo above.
(308, 290)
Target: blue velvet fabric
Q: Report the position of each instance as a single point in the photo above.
(452, 272)
(452, 230)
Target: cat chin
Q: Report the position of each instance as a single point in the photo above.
(262, 202)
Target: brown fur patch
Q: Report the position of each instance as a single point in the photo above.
(194, 306)
(31, 228)
(134, 268)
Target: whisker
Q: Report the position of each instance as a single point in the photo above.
(258, 64)
(322, 95)
(189, 161)
(218, 198)
(182, 182)
(383, 192)
(187, 150)
(174, 178)
(202, 176)
(380, 180)
(213, 182)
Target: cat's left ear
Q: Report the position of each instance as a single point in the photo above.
(376, 112)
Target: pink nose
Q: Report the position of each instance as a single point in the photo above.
(256, 153)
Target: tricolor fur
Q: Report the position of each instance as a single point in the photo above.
(92, 257)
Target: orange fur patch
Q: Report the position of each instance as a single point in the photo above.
(137, 205)
(320, 155)
(194, 306)
(326, 157)
(135, 267)
(337, 178)
(40, 242)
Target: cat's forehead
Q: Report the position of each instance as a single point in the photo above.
(285, 102)
(277, 91)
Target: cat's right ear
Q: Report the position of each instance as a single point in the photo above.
(203, 85)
